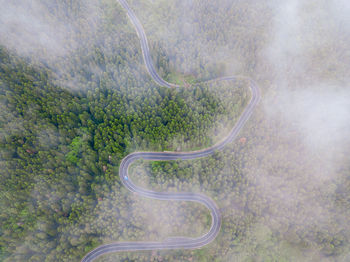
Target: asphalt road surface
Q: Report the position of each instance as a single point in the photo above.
(179, 242)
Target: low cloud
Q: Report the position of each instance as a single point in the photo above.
(29, 29)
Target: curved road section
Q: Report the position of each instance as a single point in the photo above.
(173, 243)
(144, 46)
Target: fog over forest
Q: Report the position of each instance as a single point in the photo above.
(76, 98)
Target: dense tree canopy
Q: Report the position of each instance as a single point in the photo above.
(69, 117)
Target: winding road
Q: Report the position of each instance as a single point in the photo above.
(173, 243)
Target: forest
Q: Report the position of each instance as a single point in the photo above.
(69, 116)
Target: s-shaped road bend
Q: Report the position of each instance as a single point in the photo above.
(173, 243)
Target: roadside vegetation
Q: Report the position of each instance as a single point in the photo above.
(61, 151)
